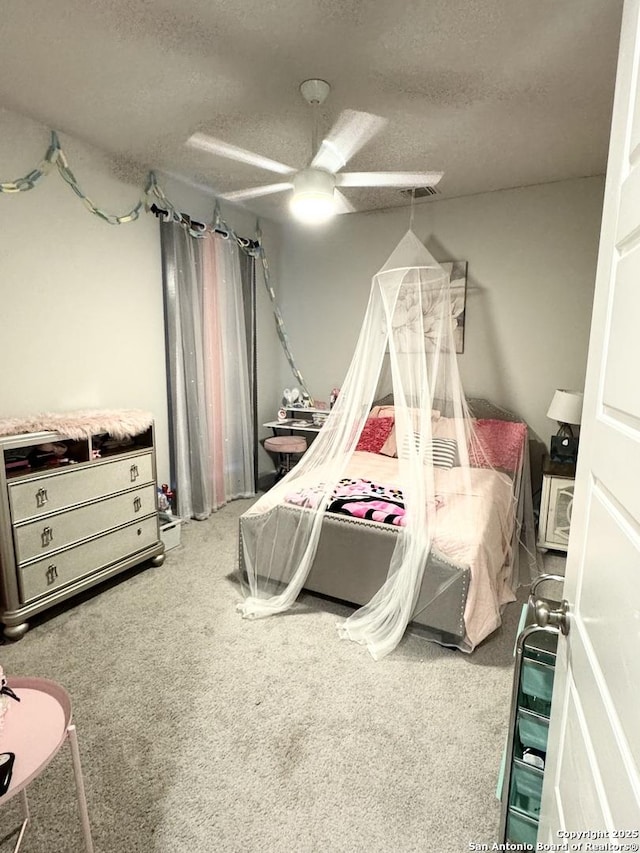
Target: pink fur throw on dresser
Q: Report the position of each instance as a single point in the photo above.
(119, 423)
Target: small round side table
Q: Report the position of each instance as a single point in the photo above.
(35, 729)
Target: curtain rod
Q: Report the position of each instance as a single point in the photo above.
(201, 229)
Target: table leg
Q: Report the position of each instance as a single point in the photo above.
(25, 818)
(82, 800)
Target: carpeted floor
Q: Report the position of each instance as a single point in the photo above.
(203, 732)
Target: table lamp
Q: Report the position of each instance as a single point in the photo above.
(566, 409)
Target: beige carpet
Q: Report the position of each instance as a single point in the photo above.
(200, 731)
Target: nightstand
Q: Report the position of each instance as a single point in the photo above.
(558, 483)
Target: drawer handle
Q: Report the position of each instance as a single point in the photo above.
(137, 504)
(46, 536)
(51, 574)
(41, 498)
(134, 473)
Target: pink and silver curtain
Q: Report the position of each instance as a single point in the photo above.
(210, 382)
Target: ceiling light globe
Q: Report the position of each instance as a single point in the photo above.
(313, 199)
(313, 208)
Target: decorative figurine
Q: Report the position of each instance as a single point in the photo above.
(290, 396)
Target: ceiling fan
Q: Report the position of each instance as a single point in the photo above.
(316, 197)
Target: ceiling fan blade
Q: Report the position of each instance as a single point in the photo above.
(351, 131)
(388, 179)
(202, 142)
(256, 192)
(343, 205)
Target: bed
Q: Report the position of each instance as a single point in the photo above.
(471, 574)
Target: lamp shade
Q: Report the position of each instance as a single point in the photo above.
(566, 407)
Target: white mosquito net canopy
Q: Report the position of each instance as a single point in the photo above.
(405, 352)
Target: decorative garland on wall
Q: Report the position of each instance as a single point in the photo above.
(280, 327)
(55, 156)
(152, 193)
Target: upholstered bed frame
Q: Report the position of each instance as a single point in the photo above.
(353, 555)
(352, 562)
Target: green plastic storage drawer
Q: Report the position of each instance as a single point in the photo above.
(521, 829)
(536, 686)
(533, 731)
(526, 789)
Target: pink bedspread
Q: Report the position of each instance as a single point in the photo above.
(471, 531)
(481, 541)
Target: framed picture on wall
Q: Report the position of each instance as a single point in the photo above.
(420, 314)
(458, 282)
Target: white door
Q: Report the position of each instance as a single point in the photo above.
(592, 777)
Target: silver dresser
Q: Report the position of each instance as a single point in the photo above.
(72, 514)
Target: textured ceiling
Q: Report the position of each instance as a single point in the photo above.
(495, 93)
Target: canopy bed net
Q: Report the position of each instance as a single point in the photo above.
(415, 508)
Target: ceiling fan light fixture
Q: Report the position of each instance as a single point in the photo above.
(313, 200)
(315, 91)
(317, 192)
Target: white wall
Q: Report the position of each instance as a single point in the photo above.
(82, 314)
(82, 317)
(81, 322)
(532, 257)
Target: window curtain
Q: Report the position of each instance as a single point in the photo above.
(248, 276)
(209, 388)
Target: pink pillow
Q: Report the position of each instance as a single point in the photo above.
(500, 444)
(374, 434)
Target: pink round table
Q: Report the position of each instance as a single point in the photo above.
(34, 729)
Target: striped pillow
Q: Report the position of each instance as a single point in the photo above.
(442, 453)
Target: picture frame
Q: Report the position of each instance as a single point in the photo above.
(458, 288)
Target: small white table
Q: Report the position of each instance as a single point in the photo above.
(35, 729)
(296, 414)
(291, 426)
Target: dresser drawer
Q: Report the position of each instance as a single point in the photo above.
(64, 488)
(45, 575)
(37, 538)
